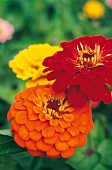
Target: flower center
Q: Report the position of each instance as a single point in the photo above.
(89, 58)
(53, 104)
(55, 108)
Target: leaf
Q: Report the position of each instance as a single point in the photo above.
(95, 137)
(105, 149)
(7, 144)
(81, 161)
(5, 92)
(101, 167)
(6, 163)
(6, 132)
(25, 161)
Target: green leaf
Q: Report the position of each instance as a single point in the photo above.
(101, 167)
(105, 149)
(7, 144)
(6, 132)
(25, 161)
(95, 137)
(7, 94)
(81, 161)
(6, 163)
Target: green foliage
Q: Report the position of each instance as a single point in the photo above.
(96, 154)
(51, 21)
(7, 144)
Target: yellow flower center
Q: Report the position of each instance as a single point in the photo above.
(56, 108)
(89, 58)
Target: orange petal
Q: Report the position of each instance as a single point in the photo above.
(82, 140)
(42, 146)
(19, 141)
(30, 145)
(77, 112)
(54, 122)
(68, 117)
(47, 116)
(51, 140)
(42, 116)
(32, 96)
(23, 133)
(19, 106)
(30, 124)
(63, 123)
(13, 113)
(38, 102)
(34, 153)
(38, 110)
(40, 94)
(68, 153)
(34, 135)
(64, 136)
(48, 131)
(62, 96)
(18, 97)
(12, 110)
(53, 152)
(15, 125)
(9, 117)
(59, 129)
(21, 117)
(25, 94)
(31, 114)
(73, 131)
(84, 119)
(76, 122)
(92, 124)
(40, 125)
(73, 141)
(82, 129)
(69, 109)
(61, 146)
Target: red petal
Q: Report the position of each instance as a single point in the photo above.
(83, 80)
(109, 80)
(86, 88)
(95, 94)
(106, 95)
(91, 74)
(98, 82)
(69, 68)
(61, 84)
(53, 75)
(76, 97)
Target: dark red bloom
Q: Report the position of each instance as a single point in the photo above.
(84, 68)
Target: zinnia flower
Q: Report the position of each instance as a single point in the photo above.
(46, 124)
(93, 9)
(84, 67)
(6, 30)
(109, 3)
(28, 63)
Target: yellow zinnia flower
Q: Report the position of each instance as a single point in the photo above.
(28, 63)
(94, 9)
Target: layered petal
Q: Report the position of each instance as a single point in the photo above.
(86, 66)
(47, 124)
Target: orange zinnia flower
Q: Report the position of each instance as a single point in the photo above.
(46, 124)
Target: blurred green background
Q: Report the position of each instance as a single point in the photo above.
(53, 21)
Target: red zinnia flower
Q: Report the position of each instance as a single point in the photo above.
(84, 67)
(46, 124)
